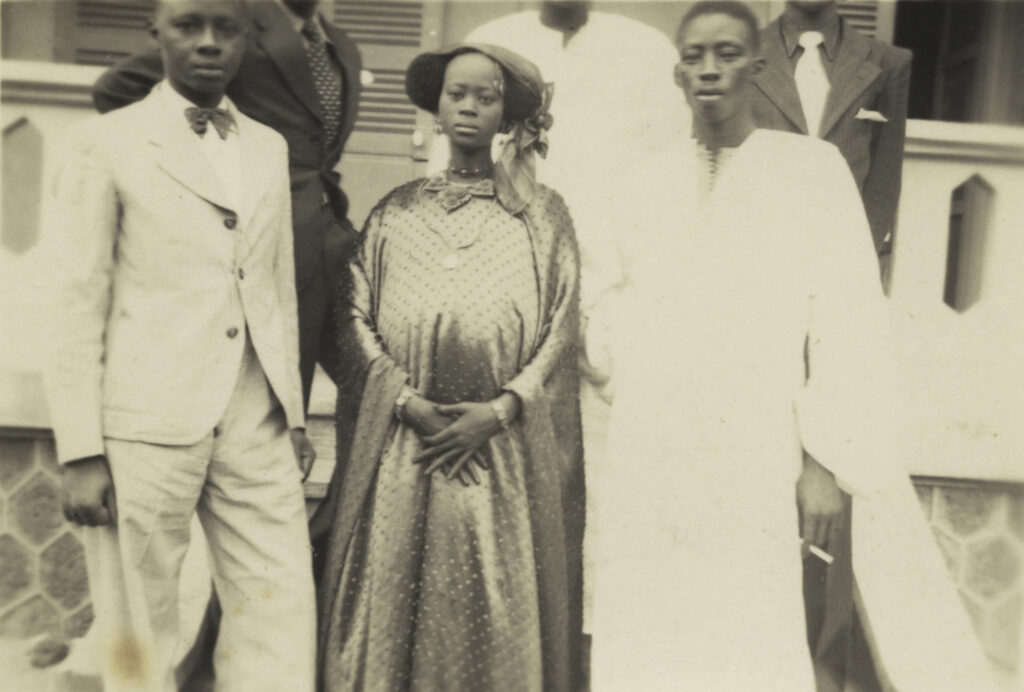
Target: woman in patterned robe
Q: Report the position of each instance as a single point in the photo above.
(455, 515)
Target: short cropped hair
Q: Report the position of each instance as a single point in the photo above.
(736, 10)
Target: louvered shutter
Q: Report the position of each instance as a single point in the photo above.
(874, 18)
(390, 33)
(105, 31)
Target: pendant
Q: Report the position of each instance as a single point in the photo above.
(450, 261)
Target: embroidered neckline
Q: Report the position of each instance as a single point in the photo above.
(451, 194)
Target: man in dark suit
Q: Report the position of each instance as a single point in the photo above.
(822, 78)
(300, 75)
(864, 111)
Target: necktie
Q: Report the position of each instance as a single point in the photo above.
(198, 118)
(811, 81)
(325, 78)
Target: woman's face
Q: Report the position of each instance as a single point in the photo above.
(471, 105)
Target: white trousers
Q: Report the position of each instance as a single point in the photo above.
(243, 482)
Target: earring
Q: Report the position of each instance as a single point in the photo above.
(437, 126)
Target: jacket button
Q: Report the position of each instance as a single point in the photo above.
(241, 273)
(232, 332)
(230, 222)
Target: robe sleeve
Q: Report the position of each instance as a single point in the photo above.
(369, 382)
(558, 341)
(599, 332)
(603, 312)
(846, 409)
(360, 345)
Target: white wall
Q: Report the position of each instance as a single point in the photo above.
(963, 370)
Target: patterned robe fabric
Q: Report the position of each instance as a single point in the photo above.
(427, 584)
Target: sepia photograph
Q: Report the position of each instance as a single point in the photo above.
(488, 345)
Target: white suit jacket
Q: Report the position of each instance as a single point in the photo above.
(160, 274)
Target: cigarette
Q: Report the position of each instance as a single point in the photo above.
(820, 554)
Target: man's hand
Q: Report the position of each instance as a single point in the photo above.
(820, 503)
(87, 492)
(305, 455)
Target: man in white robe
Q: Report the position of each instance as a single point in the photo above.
(757, 244)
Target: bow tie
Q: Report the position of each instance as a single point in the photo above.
(221, 119)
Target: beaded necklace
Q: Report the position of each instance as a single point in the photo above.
(471, 172)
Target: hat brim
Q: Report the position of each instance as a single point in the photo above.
(523, 83)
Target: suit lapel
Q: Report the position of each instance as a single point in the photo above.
(254, 165)
(776, 79)
(852, 75)
(284, 46)
(181, 156)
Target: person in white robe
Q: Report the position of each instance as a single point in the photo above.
(614, 105)
(752, 368)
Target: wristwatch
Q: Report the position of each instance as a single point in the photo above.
(500, 413)
(403, 398)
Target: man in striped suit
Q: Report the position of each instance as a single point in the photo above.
(846, 89)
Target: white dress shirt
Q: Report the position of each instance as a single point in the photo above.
(224, 155)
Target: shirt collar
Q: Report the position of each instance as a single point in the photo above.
(831, 31)
(297, 22)
(175, 101)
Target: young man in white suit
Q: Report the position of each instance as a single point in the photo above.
(174, 386)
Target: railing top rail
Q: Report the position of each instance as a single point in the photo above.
(55, 84)
(980, 141)
(23, 401)
(52, 73)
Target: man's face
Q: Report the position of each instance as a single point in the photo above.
(202, 42)
(471, 106)
(717, 62)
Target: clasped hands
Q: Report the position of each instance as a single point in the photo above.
(453, 434)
